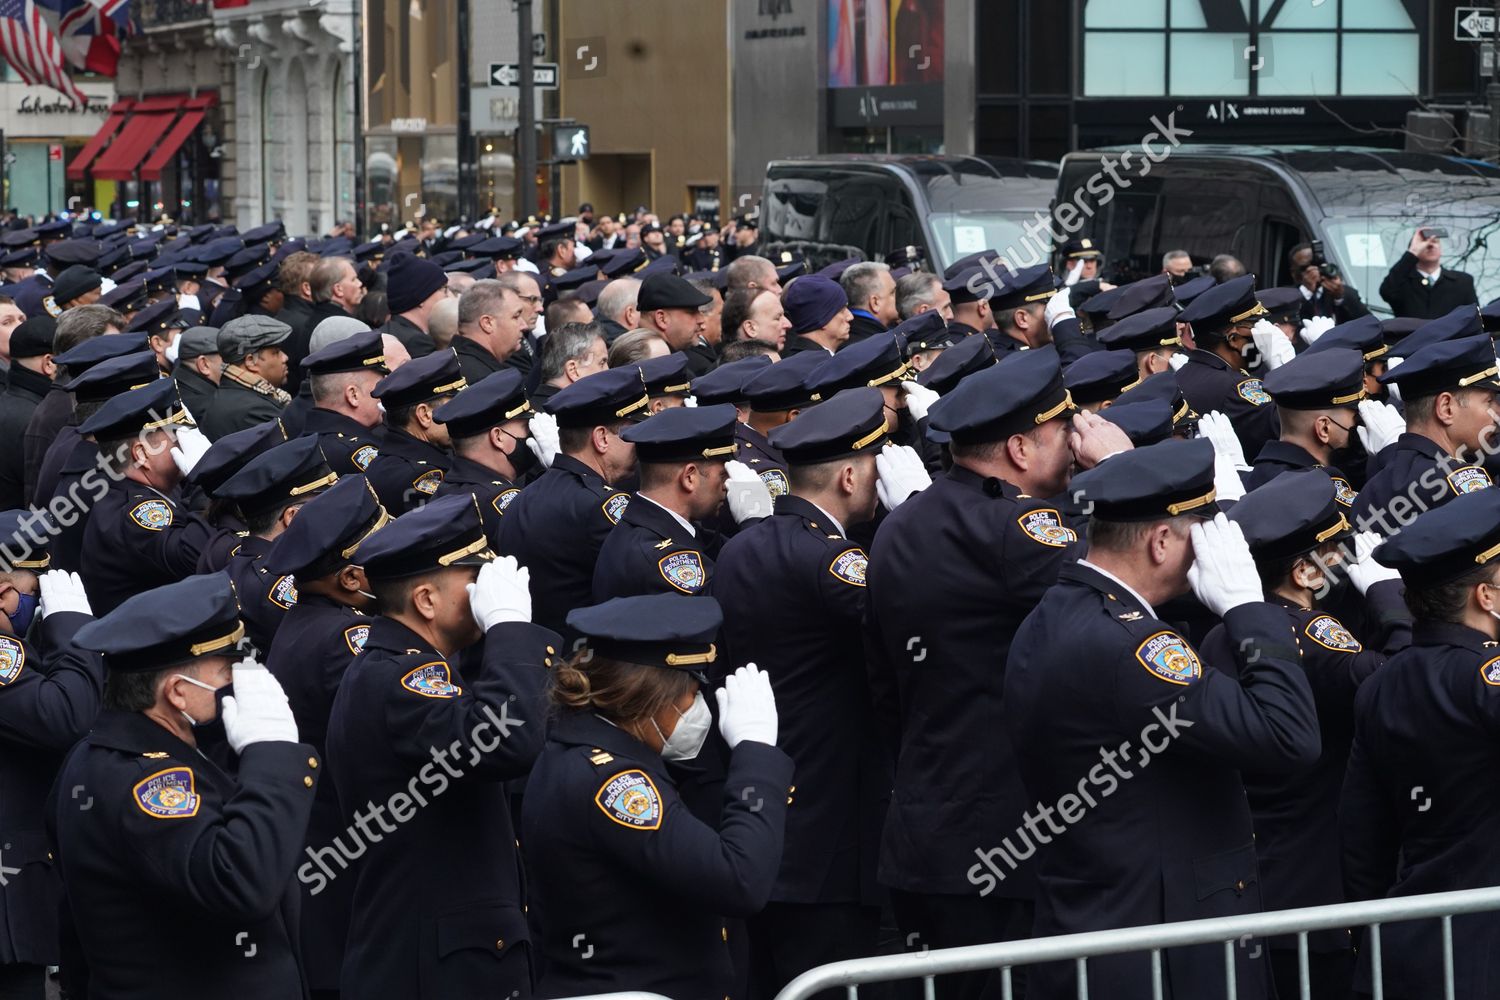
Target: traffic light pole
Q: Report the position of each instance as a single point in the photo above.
(526, 118)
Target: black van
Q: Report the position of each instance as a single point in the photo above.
(1257, 203)
(831, 208)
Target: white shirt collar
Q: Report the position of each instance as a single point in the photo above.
(836, 525)
(1307, 293)
(1128, 588)
(1432, 275)
(688, 525)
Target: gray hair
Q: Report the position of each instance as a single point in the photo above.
(569, 342)
(914, 290)
(744, 270)
(1172, 255)
(862, 280)
(325, 274)
(483, 298)
(616, 297)
(334, 329)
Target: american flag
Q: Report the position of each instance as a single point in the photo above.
(28, 43)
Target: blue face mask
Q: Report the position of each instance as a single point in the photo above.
(20, 619)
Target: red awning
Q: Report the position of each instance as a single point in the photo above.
(78, 169)
(168, 147)
(145, 126)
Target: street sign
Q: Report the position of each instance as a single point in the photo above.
(570, 142)
(543, 75)
(1473, 24)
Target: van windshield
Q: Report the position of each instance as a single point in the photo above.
(959, 234)
(1367, 247)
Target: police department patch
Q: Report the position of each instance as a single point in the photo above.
(153, 515)
(432, 680)
(1330, 633)
(1046, 526)
(167, 794)
(776, 482)
(630, 798)
(284, 593)
(850, 566)
(684, 570)
(12, 658)
(363, 456)
(1342, 491)
(503, 499)
(1468, 479)
(428, 482)
(355, 636)
(1251, 392)
(1168, 656)
(1489, 670)
(614, 507)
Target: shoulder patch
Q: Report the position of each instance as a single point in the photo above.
(355, 636)
(630, 798)
(363, 456)
(432, 680)
(1046, 526)
(1342, 491)
(153, 515)
(1489, 671)
(684, 570)
(503, 498)
(1330, 633)
(1168, 656)
(428, 482)
(776, 482)
(614, 507)
(850, 566)
(1251, 392)
(1468, 479)
(284, 593)
(168, 794)
(12, 659)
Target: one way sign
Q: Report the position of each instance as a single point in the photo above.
(543, 75)
(1474, 24)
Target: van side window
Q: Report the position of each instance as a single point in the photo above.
(852, 210)
(1206, 217)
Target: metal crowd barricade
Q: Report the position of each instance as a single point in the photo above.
(1230, 931)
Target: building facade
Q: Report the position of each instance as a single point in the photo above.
(44, 131)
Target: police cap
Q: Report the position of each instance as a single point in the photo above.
(1362, 334)
(1080, 248)
(156, 319)
(1318, 381)
(1100, 376)
(666, 375)
(1023, 391)
(1152, 483)
(925, 332)
(1462, 321)
(726, 383)
(606, 397)
(1291, 515)
(673, 631)
(21, 548)
(151, 407)
(1147, 330)
(359, 352)
(1145, 423)
(1028, 286)
(783, 386)
(328, 528)
(1282, 304)
(109, 378)
(685, 434)
(446, 532)
(167, 626)
(1231, 304)
(420, 380)
(851, 423)
(1150, 293)
(286, 474)
(874, 361)
(490, 402)
(233, 451)
(1446, 542)
(969, 355)
(1450, 365)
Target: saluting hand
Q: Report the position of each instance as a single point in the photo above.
(1093, 439)
(747, 707)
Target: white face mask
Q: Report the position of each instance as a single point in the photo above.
(687, 739)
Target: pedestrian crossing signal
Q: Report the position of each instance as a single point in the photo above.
(570, 142)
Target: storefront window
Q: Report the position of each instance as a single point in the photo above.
(410, 177)
(497, 175)
(410, 72)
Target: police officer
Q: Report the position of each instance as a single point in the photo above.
(138, 536)
(661, 544)
(318, 638)
(49, 695)
(155, 841)
(345, 415)
(1156, 733)
(255, 369)
(1028, 313)
(774, 396)
(560, 521)
(414, 454)
(800, 571)
(1417, 815)
(488, 424)
(1299, 535)
(1096, 380)
(1317, 397)
(1150, 335)
(268, 492)
(938, 639)
(411, 735)
(631, 888)
(224, 458)
(1448, 390)
(1214, 377)
(1365, 336)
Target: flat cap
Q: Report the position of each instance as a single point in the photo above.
(197, 342)
(668, 291)
(244, 334)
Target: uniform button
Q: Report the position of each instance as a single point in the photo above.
(792, 789)
(551, 650)
(307, 781)
(1240, 885)
(788, 800)
(500, 944)
(312, 762)
(724, 933)
(547, 662)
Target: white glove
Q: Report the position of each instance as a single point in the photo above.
(543, 441)
(1275, 349)
(188, 302)
(1074, 273)
(746, 493)
(191, 446)
(689, 400)
(901, 474)
(1380, 425)
(1220, 432)
(173, 347)
(747, 707)
(1059, 308)
(1315, 327)
(1177, 360)
(1391, 387)
(501, 593)
(919, 399)
(1364, 571)
(62, 591)
(1223, 574)
(257, 712)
